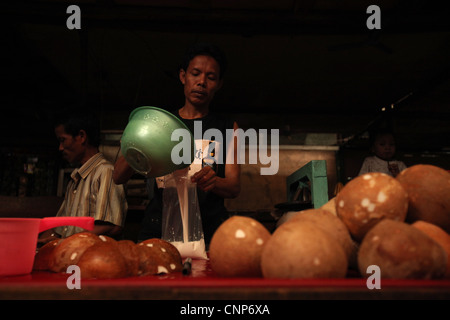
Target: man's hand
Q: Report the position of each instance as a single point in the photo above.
(205, 178)
(46, 237)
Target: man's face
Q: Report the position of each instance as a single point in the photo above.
(71, 147)
(201, 80)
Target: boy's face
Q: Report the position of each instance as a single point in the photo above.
(384, 147)
(201, 80)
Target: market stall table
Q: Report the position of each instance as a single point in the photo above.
(202, 284)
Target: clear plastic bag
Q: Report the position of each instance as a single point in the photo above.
(181, 219)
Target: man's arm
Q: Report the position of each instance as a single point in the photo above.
(122, 171)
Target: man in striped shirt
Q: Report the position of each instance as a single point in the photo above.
(91, 190)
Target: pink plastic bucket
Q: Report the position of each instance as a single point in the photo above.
(18, 240)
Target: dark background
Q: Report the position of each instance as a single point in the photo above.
(300, 66)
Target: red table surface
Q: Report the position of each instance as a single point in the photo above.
(203, 276)
(176, 293)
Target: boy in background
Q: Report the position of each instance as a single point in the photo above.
(383, 160)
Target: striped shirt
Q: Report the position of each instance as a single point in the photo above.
(91, 192)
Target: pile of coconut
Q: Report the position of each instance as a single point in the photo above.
(400, 224)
